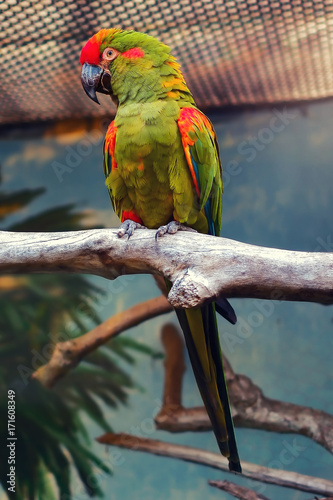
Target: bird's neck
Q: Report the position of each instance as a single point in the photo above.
(165, 82)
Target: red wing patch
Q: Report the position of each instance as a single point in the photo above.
(110, 143)
(188, 118)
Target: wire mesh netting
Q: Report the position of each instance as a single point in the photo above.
(233, 52)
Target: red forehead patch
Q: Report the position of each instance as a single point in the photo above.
(133, 53)
(90, 53)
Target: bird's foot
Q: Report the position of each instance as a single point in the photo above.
(172, 228)
(128, 227)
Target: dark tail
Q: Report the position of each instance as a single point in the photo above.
(224, 308)
(201, 336)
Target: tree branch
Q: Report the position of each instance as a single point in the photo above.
(69, 353)
(232, 269)
(174, 369)
(250, 408)
(253, 409)
(284, 478)
(326, 498)
(237, 491)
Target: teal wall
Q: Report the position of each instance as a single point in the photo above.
(278, 193)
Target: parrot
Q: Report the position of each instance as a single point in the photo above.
(163, 171)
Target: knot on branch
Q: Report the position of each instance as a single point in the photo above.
(244, 393)
(65, 357)
(190, 289)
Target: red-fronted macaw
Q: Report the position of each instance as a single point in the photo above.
(162, 169)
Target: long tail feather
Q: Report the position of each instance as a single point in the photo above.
(224, 308)
(201, 336)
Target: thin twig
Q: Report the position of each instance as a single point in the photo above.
(237, 491)
(69, 353)
(284, 478)
(326, 498)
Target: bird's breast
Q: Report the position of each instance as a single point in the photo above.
(147, 146)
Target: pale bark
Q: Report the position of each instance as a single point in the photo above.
(201, 267)
(284, 478)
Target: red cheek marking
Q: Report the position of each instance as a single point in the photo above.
(132, 216)
(90, 54)
(135, 53)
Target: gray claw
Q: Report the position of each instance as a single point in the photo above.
(128, 227)
(172, 228)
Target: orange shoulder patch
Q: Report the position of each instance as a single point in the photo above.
(188, 118)
(110, 143)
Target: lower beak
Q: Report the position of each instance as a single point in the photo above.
(95, 79)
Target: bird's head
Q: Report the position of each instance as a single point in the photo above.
(129, 65)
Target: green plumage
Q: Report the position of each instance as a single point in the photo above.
(161, 164)
(151, 163)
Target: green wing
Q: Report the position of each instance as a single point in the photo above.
(203, 159)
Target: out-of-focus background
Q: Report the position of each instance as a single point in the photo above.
(263, 72)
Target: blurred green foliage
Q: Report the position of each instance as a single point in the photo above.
(35, 311)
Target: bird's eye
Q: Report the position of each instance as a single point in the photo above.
(109, 54)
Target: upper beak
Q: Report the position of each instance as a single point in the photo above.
(95, 79)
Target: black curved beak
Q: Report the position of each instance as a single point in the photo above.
(95, 79)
